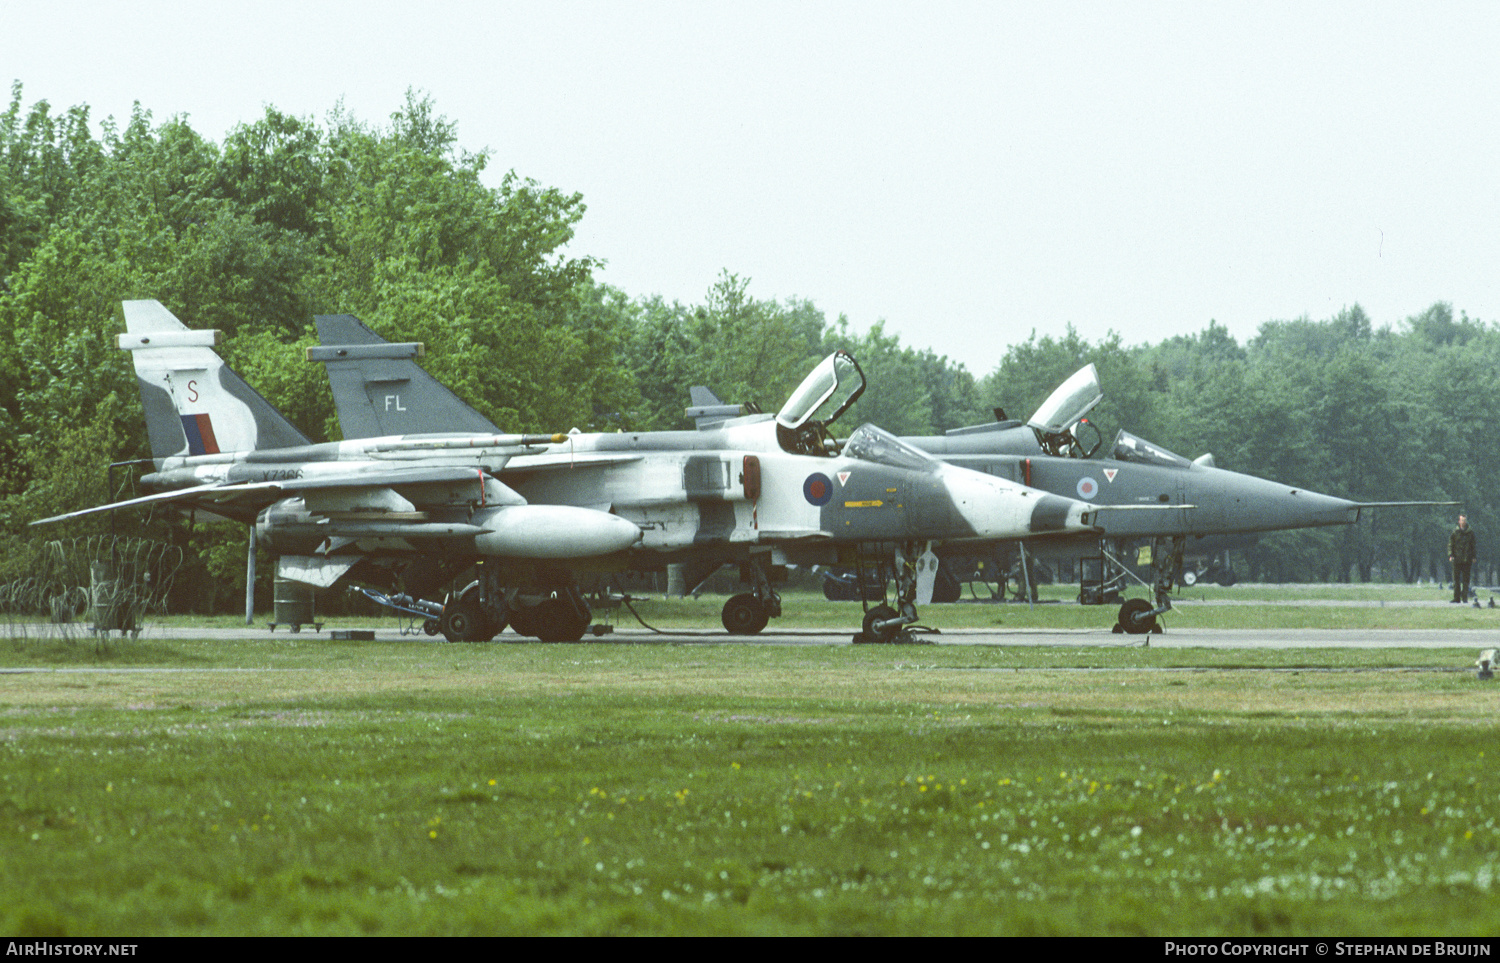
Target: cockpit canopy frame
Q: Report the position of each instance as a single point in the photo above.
(874, 444)
(834, 385)
(1059, 422)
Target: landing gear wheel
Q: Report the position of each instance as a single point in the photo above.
(744, 614)
(431, 627)
(558, 621)
(1130, 617)
(524, 621)
(880, 613)
(463, 621)
(1189, 579)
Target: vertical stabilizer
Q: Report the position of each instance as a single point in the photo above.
(379, 390)
(194, 404)
(707, 411)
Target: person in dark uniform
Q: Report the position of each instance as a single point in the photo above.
(1461, 554)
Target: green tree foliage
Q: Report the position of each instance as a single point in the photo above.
(745, 350)
(287, 219)
(1030, 371)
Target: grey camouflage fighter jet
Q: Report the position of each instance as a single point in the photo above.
(758, 490)
(1053, 451)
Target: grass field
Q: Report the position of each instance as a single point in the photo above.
(296, 785)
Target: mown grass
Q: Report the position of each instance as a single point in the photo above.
(308, 786)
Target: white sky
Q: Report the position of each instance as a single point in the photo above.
(968, 172)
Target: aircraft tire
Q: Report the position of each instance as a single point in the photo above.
(463, 622)
(1130, 620)
(558, 621)
(744, 614)
(880, 613)
(431, 627)
(1189, 578)
(523, 620)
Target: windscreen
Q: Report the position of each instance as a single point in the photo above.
(1129, 447)
(877, 445)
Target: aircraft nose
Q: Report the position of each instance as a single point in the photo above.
(996, 508)
(1245, 503)
(1054, 513)
(1307, 509)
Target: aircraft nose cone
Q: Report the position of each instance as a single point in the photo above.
(1276, 507)
(1311, 509)
(995, 508)
(1230, 502)
(1056, 514)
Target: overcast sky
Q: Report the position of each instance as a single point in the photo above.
(968, 172)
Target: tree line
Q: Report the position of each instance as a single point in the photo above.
(396, 222)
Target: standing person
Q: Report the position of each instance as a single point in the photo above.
(1461, 554)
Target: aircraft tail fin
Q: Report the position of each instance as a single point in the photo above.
(378, 389)
(194, 403)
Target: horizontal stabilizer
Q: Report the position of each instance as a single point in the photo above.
(491, 492)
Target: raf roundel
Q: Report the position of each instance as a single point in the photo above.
(818, 489)
(1087, 487)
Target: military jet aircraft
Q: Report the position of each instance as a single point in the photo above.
(758, 490)
(1053, 450)
(218, 446)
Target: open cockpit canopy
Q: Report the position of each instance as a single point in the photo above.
(1059, 422)
(832, 386)
(828, 390)
(1067, 405)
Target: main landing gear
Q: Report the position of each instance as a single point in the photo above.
(748, 612)
(553, 610)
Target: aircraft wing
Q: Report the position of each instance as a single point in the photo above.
(209, 496)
